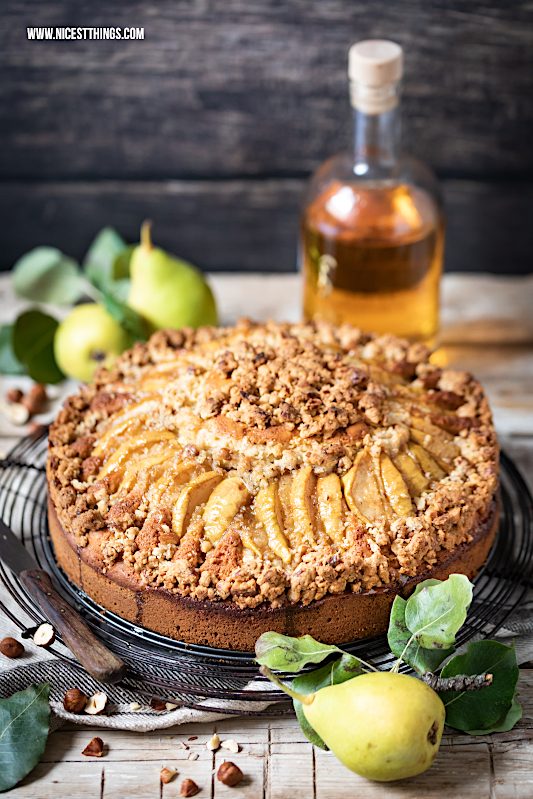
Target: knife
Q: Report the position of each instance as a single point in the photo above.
(95, 658)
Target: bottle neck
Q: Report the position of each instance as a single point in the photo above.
(376, 141)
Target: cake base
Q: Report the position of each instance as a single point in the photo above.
(335, 619)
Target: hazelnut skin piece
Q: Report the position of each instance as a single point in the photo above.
(189, 788)
(95, 748)
(166, 775)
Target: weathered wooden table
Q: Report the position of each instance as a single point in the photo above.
(494, 316)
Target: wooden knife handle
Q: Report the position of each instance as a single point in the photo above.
(95, 658)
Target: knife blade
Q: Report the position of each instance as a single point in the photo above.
(13, 553)
(93, 655)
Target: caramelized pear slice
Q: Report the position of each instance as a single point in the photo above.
(167, 488)
(131, 420)
(158, 376)
(144, 465)
(380, 375)
(284, 496)
(329, 501)
(436, 440)
(361, 490)
(226, 500)
(148, 439)
(441, 451)
(302, 489)
(420, 422)
(267, 508)
(416, 480)
(429, 466)
(195, 493)
(395, 487)
(249, 543)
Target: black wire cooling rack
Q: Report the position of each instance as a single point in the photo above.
(194, 675)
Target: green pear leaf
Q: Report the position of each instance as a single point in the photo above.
(121, 266)
(9, 363)
(46, 275)
(490, 709)
(132, 322)
(404, 645)
(340, 670)
(506, 723)
(284, 653)
(33, 345)
(309, 732)
(436, 611)
(24, 726)
(101, 263)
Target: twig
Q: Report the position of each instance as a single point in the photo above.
(462, 682)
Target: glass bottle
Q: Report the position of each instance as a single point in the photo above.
(372, 233)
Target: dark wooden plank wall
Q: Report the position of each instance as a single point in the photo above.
(211, 125)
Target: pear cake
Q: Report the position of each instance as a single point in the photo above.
(217, 483)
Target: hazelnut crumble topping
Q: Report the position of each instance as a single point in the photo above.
(273, 464)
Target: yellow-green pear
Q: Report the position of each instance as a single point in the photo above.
(167, 291)
(86, 339)
(382, 725)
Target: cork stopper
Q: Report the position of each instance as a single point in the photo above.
(374, 67)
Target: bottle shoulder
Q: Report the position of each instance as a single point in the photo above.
(342, 203)
(406, 170)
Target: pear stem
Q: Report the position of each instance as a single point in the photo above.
(305, 699)
(146, 235)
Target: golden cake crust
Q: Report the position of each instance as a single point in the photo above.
(270, 467)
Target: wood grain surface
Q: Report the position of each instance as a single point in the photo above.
(278, 763)
(258, 87)
(237, 102)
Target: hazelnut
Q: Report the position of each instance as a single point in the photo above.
(229, 774)
(17, 413)
(231, 745)
(14, 395)
(94, 748)
(189, 788)
(44, 635)
(11, 648)
(35, 399)
(213, 743)
(96, 703)
(74, 701)
(166, 775)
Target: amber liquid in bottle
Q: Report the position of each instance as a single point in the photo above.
(372, 234)
(372, 256)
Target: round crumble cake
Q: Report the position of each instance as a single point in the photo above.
(218, 483)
